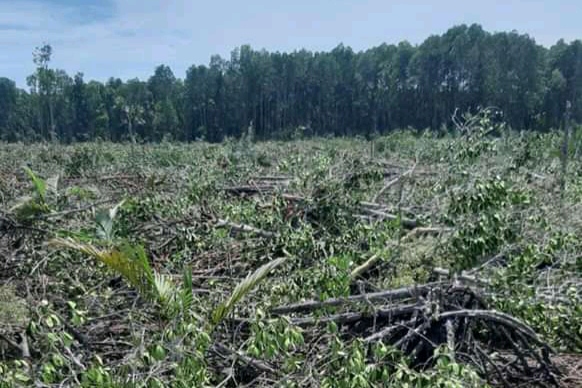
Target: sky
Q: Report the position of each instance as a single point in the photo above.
(129, 38)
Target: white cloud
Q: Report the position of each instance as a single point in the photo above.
(140, 34)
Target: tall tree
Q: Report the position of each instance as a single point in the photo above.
(8, 95)
(339, 92)
(42, 84)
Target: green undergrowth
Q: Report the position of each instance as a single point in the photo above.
(122, 277)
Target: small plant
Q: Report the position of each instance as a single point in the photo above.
(243, 288)
(14, 374)
(129, 261)
(105, 223)
(355, 365)
(30, 207)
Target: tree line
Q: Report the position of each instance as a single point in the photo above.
(340, 92)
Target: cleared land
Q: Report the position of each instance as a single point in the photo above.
(339, 263)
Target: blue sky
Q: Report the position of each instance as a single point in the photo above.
(128, 38)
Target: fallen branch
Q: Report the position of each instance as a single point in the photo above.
(368, 264)
(22, 346)
(78, 210)
(372, 205)
(426, 230)
(257, 364)
(356, 316)
(501, 318)
(393, 182)
(462, 276)
(397, 294)
(387, 331)
(271, 178)
(293, 197)
(406, 222)
(364, 267)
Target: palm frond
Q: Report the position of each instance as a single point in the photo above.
(186, 294)
(243, 288)
(114, 209)
(104, 220)
(28, 207)
(129, 261)
(40, 185)
(165, 289)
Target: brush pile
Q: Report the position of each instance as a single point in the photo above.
(412, 260)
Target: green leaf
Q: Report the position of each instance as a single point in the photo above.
(39, 184)
(129, 261)
(243, 288)
(104, 225)
(186, 295)
(21, 377)
(104, 220)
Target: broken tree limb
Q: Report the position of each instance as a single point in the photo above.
(501, 318)
(406, 222)
(363, 268)
(293, 197)
(484, 356)
(244, 228)
(257, 364)
(426, 230)
(397, 294)
(393, 182)
(356, 316)
(462, 276)
(372, 205)
(368, 264)
(387, 331)
(418, 331)
(22, 346)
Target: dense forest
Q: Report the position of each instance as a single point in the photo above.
(340, 92)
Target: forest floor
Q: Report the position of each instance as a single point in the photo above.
(409, 260)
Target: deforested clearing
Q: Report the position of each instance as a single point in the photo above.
(407, 260)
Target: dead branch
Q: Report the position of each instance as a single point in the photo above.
(501, 318)
(271, 178)
(393, 182)
(462, 276)
(364, 267)
(22, 347)
(387, 331)
(244, 228)
(406, 222)
(350, 317)
(78, 210)
(426, 231)
(397, 294)
(259, 365)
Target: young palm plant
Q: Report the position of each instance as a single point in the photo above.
(32, 206)
(131, 262)
(243, 288)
